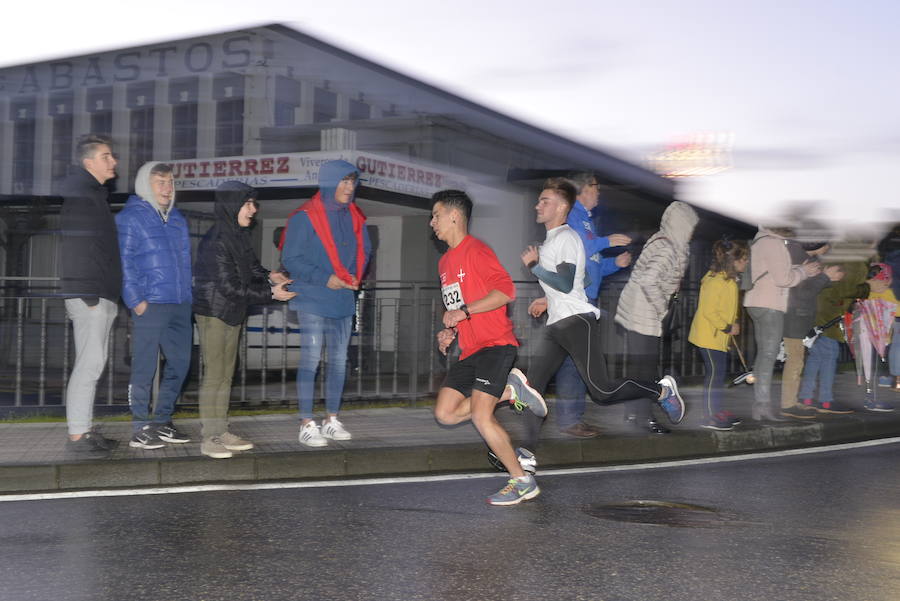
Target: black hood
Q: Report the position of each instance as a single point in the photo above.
(230, 197)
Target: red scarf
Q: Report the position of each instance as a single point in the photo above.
(315, 210)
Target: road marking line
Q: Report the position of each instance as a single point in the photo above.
(251, 486)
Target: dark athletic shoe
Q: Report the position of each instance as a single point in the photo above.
(833, 407)
(800, 411)
(91, 443)
(146, 438)
(877, 406)
(718, 423)
(169, 433)
(523, 395)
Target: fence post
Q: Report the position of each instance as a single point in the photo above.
(20, 342)
(42, 370)
(414, 367)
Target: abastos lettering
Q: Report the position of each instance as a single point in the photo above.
(132, 65)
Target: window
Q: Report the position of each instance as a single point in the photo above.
(230, 127)
(140, 141)
(23, 117)
(324, 106)
(228, 91)
(287, 99)
(99, 105)
(183, 98)
(184, 131)
(359, 110)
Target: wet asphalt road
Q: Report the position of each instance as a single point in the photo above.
(817, 527)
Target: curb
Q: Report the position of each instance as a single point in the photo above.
(433, 459)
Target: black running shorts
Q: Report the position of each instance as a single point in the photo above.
(485, 370)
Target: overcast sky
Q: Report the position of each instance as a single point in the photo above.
(809, 89)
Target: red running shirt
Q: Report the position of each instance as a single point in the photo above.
(468, 272)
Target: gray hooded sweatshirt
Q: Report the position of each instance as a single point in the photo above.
(657, 273)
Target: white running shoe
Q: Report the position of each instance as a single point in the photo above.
(310, 435)
(333, 429)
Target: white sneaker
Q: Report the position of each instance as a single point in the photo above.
(310, 435)
(333, 429)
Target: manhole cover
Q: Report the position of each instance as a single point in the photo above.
(664, 513)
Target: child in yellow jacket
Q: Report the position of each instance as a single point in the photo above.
(715, 322)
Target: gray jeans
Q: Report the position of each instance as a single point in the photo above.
(91, 326)
(768, 327)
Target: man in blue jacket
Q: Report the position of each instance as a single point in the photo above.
(156, 266)
(325, 248)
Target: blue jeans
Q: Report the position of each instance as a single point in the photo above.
(894, 354)
(166, 328)
(713, 380)
(334, 333)
(821, 365)
(570, 394)
(768, 326)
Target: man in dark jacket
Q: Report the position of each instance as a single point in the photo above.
(228, 278)
(92, 282)
(326, 249)
(156, 267)
(799, 319)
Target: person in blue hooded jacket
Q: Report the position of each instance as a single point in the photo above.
(156, 286)
(325, 248)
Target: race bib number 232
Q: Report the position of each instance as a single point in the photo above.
(452, 295)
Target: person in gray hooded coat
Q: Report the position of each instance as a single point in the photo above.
(644, 302)
(228, 278)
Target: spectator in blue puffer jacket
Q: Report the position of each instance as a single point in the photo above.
(156, 266)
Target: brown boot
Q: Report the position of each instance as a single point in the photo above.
(580, 430)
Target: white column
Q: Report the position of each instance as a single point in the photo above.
(6, 148)
(259, 94)
(81, 118)
(43, 130)
(121, 135)
(162, 122)
(206, 117)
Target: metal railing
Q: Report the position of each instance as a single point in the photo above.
(392, 354)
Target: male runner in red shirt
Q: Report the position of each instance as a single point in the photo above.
(475, 290)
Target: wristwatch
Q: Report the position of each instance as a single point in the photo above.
(465, 310)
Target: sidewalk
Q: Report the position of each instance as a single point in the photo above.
(33, 457)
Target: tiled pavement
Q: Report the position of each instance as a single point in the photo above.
(407, 440)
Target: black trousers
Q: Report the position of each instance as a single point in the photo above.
(642, 361)
(578, 336)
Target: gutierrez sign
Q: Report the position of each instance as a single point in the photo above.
(302, 170)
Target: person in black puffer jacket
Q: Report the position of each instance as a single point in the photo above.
(228, 278)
